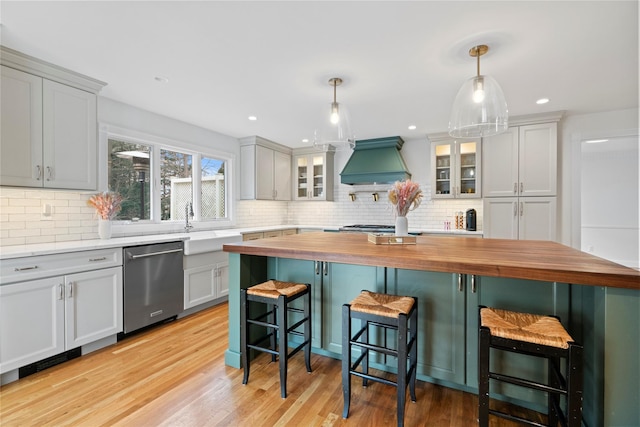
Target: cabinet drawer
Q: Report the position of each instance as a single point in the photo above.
(289, 231)
(252, 236)
(273, 233)
(37, 267)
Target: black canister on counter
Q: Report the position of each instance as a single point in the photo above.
(471, 219)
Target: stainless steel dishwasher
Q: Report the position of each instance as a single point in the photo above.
(153, 284)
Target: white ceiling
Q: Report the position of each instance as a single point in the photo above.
(402, 62)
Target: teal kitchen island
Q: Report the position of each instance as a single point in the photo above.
(597, 300)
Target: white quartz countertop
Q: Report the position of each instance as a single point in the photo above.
(19, 251)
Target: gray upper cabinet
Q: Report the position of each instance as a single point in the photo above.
(265, 170)
(49, 127)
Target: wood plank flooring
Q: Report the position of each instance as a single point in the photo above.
(174, 375)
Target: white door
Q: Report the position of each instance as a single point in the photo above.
(282, 175)
(500, 217)
(537, 218)
(70, 135)
(21, 129)
(500, 164)
(264, 173)
(222, 279)
(93, 306)
(31, 322)
(538, 158)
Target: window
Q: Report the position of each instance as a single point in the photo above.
(129, 177)
(182, 187)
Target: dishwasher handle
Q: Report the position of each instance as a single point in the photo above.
(154, 254)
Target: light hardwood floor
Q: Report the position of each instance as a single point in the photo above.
(174, 375)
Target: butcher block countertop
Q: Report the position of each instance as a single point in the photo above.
(520, 259)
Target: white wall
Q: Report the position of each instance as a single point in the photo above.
(574, 129)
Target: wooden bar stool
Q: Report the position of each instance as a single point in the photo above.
(534, 335)
(386, 312)
(277, 296)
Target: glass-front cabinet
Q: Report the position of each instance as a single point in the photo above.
(313, 174)
(455, 168)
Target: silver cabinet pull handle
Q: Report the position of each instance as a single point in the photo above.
(521, 208)
(460, 288)
(49, 173)
(521, 188)
(39, 172)
(97, 259)
(316, 265)
(473, 283)
(515, 188)
(25, 268)
(70, 290)
(60, 291)
(515, 208)
(325, 268)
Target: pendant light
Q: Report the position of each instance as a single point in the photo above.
(480, 108)
(335, 130)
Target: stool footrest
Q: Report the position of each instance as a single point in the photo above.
(515, 418)
(373, 378)
(526, 383)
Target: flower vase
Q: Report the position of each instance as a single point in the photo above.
(104, 228)
(402, 226)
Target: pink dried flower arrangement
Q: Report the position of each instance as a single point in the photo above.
(405, 196)
(106, 204)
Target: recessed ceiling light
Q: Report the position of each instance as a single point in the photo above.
(161, 79)
(542, 101)
(595, 141)
(412, 127)
(253, 118)
(305, 140)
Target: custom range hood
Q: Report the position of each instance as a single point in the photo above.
(375, 161)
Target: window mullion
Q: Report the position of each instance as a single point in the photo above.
(196, 181)
(155, 184)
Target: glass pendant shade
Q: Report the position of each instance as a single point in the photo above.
(479, 109)
(334, 131)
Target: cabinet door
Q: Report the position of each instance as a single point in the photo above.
(443, 170)
(302, 178)
(69, 137)
(21, 129)
(199, 285)
(468, 171)
(343, 282)
(282, 176)
(500, 164)
(222, 279)
(538, 158)
(500, 217)
(264, 173)
(93, 306)
(31, 322)
(518, 295)
(537, 218)
(441, 308)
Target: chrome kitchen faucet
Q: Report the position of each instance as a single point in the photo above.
(188, 212)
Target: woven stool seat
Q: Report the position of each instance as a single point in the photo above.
(501, 332)
(275, 288)
(382, 304)
(533, 328)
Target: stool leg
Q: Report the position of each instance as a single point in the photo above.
(282, 343)
(307, 329)
(413, 352)
(346, 358)
(484, 337)
(244, 335)
(553, 399)
(402, 367)
(272, 318)
(574, 385)
(365, 360)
